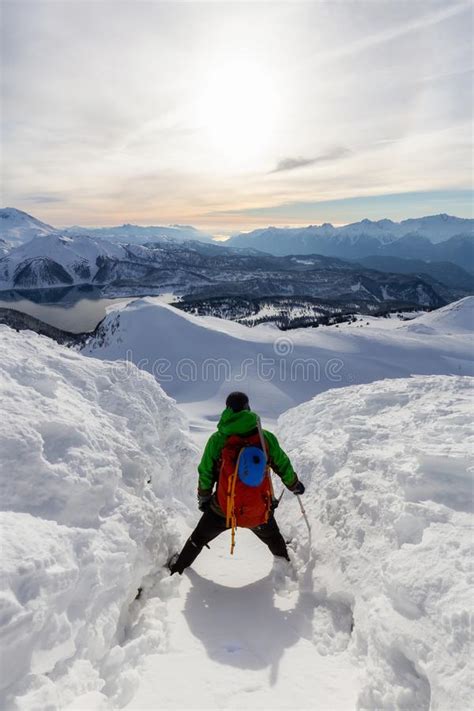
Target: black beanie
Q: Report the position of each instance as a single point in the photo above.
(237, 401)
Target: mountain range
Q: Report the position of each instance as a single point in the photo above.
(205, 270)
(18, 227)
(438, 237)
(391, 273)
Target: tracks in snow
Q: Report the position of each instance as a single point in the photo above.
(231, 642)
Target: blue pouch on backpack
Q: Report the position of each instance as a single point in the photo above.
(252, 465)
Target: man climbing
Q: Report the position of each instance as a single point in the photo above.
(235, 485)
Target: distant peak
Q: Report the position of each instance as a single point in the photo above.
(9, 211)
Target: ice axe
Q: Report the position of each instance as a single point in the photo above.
(303, 513)
(305, 520)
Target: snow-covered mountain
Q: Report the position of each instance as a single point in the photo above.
(17, 227)
(204, 271)
(56, 260)
(436, 228)
(364, 238)
(200, 358)
(104, 473)
(138, 234)
(456, 318)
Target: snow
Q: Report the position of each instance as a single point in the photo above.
(4, 248)
(280, 310)
(93, 474)
(391, 321)
(73, 254)
(17, 227)
(199, 359)
(140, 234)
(436, 228)
(239, 644)
(457, 317)
(303, 261)
(388, 470)
(97, 475)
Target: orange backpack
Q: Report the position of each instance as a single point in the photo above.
(244, 505)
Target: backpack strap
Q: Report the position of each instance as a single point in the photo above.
(230, 513)
(267, 458)
(262, 439)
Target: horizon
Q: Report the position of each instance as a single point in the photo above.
(231, 117)
(224, 237)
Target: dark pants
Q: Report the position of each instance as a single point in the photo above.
(211, 525)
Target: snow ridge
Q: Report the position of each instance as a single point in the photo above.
(388, 471)
(17, 226)
(202, 358)
(457, 317)
(91, 463)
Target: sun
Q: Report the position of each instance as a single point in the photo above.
(237, 112)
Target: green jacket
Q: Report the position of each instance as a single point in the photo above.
(241, 423)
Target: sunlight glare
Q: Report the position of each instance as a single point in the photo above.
(237, 112)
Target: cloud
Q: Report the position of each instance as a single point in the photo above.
(132, 139)
(443, 12)
(293, 163)
(42, 199)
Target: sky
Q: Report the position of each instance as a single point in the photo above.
(236, 115)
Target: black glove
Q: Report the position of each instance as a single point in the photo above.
(298, 488)
(204, 501)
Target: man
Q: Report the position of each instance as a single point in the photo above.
(237, 423)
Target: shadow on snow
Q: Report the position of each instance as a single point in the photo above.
(242, 627)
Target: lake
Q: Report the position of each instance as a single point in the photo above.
(72, 309)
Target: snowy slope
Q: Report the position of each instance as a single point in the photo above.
(56, 259)
(198, 359)
(89, 468)
(453, 318)
(17, 227)
(139, 234)
(388, 470)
